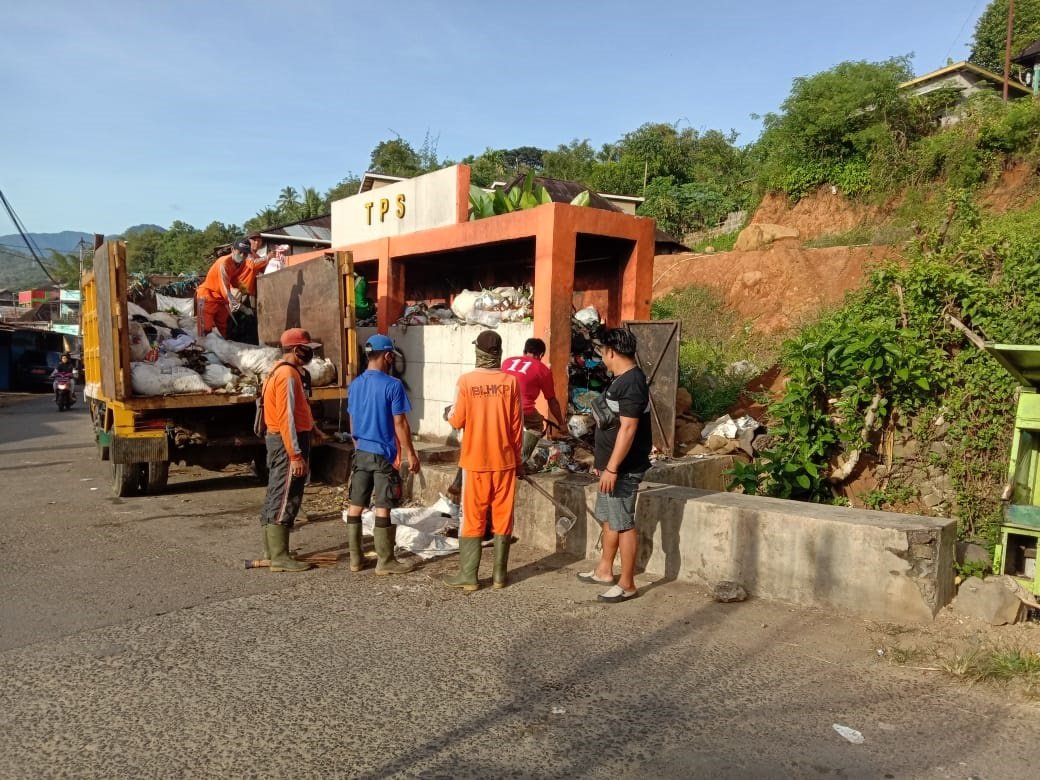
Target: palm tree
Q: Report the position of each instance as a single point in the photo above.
(288, 202)
(313, 204)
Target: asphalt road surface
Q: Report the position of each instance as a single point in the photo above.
(134, 644)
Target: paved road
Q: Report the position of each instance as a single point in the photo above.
(132, 644)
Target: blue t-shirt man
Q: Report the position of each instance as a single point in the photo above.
(375, 397)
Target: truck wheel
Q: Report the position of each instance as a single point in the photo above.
(260, 468)
(129, 479)
(158, 476)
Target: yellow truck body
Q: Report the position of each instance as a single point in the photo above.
(142, 435)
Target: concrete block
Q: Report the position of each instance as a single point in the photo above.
(884, 565)
(807, 554)
(705, 473)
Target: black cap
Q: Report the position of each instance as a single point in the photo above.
(490, 342)
(242, 245)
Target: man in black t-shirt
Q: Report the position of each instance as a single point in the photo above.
(622, 456)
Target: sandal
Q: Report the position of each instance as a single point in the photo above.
(616, 594)
(589, 577)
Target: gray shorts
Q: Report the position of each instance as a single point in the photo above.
(374, 478)
(618, 509)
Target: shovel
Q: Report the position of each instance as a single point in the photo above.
(565, 522)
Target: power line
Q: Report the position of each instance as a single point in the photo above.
(29, 243)
(964, 24)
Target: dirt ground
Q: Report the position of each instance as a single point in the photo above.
(776, 289)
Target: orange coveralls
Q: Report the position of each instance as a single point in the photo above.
(213, 296)
(488, 409)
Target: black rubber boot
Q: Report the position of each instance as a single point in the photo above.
(386, 563)
(278, 544)
(357, 557)
(469, 562)
(498, 578)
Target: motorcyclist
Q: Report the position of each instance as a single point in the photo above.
(65, 368)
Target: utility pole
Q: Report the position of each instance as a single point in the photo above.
(81, 244)
(1007, 47)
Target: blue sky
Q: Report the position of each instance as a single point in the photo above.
(119, 113)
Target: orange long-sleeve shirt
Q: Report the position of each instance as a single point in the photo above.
(286, 408)
(488, 409)
(253, 269)
(223, 276)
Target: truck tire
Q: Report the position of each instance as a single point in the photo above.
(158, 476)
(260, 469)
(129, 479)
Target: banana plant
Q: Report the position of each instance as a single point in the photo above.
(483, 204)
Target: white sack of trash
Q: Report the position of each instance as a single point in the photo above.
(166, 364)
(150, 379)
(420, 530)
(247, 358)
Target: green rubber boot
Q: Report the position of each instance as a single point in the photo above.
(469, 562)
(498, 579)
(386, 563)
(277, 537)
(357, 558)
(267, 547)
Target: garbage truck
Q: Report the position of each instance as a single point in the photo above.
(149, 409)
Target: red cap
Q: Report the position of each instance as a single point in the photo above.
(298, 337)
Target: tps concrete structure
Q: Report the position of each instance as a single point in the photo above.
(435, 357)
(882, 565)
(571, 256)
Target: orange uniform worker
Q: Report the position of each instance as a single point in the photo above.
(217, 296)
(254, 265)
(488, 410)
(290, 428)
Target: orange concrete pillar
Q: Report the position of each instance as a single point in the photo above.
(391, 289)
(637, 275)
(554, 254)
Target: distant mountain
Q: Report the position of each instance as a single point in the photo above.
(18, 271)
(67, 241)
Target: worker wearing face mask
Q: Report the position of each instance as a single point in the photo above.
(219, 296)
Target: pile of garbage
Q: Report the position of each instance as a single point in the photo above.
(489, 308)
(166, 358)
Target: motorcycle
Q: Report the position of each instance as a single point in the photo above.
(63, 395)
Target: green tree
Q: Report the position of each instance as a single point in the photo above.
(312, 204)
(347, 186)
(987, 48)
(288, 203)
(574, 161)
(523, 159)
(395, 157)
(65, 269)
(143, 250)
(488, 167)
(832, 123)
(267, 217)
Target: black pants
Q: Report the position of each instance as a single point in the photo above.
(284, 491)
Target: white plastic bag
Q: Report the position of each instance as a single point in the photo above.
(179, 307)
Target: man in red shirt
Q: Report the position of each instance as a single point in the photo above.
(535, 379)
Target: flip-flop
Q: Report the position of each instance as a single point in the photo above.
(589, 577)
(616, 594)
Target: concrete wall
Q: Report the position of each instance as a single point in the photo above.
(883, 565)
(436, 356)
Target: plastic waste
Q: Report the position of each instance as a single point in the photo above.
(853, 736)
(588, 316)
